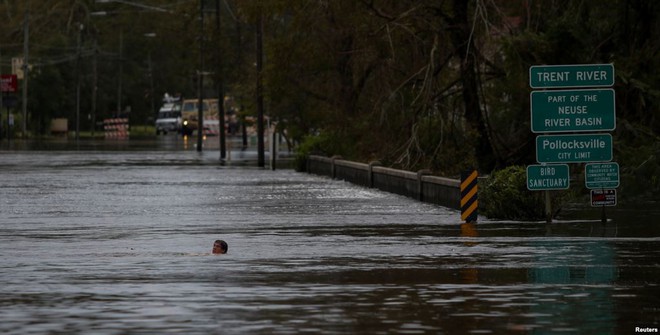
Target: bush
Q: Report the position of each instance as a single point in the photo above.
(311, 145)
(505, 196)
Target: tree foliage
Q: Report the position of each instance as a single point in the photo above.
(439, 84)
(444, 84)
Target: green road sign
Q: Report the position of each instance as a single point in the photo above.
(578, 75)
(601, 175)
(547, 177)
(572, 110)
(574, 148)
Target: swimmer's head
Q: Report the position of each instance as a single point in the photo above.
(220, 247)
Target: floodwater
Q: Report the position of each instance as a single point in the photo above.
(118, 242)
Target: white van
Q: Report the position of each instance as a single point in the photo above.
(169, 118)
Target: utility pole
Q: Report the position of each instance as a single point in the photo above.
(200, 107)
(221, 88)
(2, 95)
(26, 69)
(151, 85)
(78, 82)
(121, 69)
(261, 161)
(94, 84)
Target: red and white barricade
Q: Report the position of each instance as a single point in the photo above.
(116, 128)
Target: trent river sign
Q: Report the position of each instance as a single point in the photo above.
(572, 110)
(574, 148)
(581, 75)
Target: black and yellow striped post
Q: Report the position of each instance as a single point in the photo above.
(469, 199)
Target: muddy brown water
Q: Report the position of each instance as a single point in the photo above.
(118, 242)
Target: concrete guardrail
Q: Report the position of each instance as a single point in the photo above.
(418, 185)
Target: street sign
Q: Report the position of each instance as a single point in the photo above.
(601, 175)
(574, 148)
(578, 75)
(8, 83)
(572, 110)
(547, 177)
(604, 197)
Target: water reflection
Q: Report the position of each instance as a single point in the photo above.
(470, 275)
(581, 291)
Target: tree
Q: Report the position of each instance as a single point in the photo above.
(439, 84)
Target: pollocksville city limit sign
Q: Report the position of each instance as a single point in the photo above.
(578, 148)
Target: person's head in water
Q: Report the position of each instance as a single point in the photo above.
(220, 247)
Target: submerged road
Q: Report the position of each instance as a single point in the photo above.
(118, 242)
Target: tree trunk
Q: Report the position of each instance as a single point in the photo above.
(464, 48)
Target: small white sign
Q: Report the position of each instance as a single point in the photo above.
(605, 197)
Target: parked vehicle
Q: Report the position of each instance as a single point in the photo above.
(190, 115)
(169, 118)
